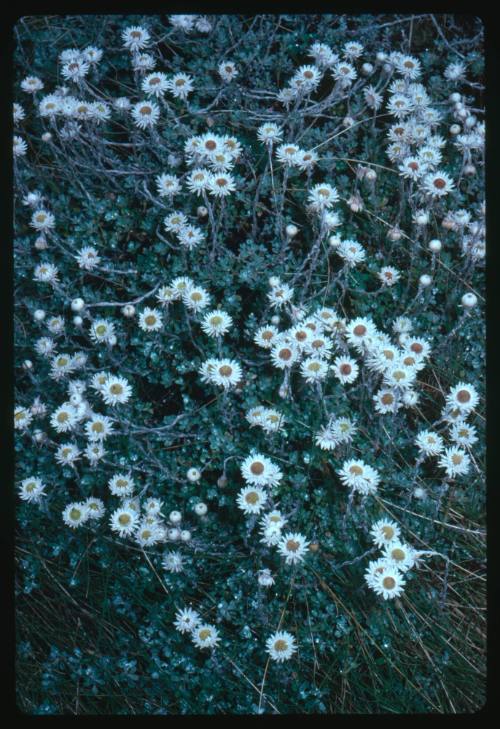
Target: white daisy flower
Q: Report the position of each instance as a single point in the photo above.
(167, 185)
(281, 646)
(272, 420)
(99, 427)
(280, 295)
(227, 373)
(266, 336)
(121, 485)
(32, 490)
(116, 390)
(227, 71)
(143, 62)
(216, 323)
(186, 620)
(180, 85)
(399, 555)
(359, 477)
(94, 452)
(438, 184)
(181, 284)
(155, 84)
(345, 73)
(463, 396)
(283, 355)
(258, 470)
(22, 418)
(42, 220)
(384, 531)
(135, 38)
(64, 418)
(196, 298)
(463, 434)
(88, 258)
(95, 508)
(265, 578)
(389, 275)
(326, 439)
(345, 369)
(102, 331)
(455, 461)
(147, 535)
(19, 146)
(124, 521)
(309, 77)
(323, 196)
(150, 320)
(30, 84)
(66, 454)
(46, 273)
(190, 236)
(205, 636)
(18, 113)
(314, 369)
(221, 184)
(75, 514)
(351, 251)
(269, 133)
(75, 70)
(145, 114)
(251, 499)
(293, 546)
(287, 153)
(386, 401)
(429, 443)
(198, 180)
(389, 583)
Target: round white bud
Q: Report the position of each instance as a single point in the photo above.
(470, 121)
(175, 517)
(28, 364)
(200, 508)
(193, 475)
(39, 315)
(462, 113)
(387, 68)
(77, 304)
(469, 300)
(275, 320)
(41, 243)
(202, 211)
(75, 398)
(335, 241)
(455, 97)
(185, 535)
(46, 137)
(435, 245)
(273, 281)
(112, 340)
(425, 280)
(381, 56)
(128, 311)
(348, 121)
(291, 230)
(371, 175)
(394, 234)
(77, 321)
(39, 436)
(455, 129)
(367, 69)
(173, 534)
(469, 170)
(419, 492)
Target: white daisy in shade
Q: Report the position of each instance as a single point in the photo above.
(359, 477)
(408, 66)
(181, 284)
(463, 396)
(293, 546)
(323, 196)
(61, 365)
(100, 111)
(116, 390)
(198, 180)
(345, 73)
(221, 161)
(326, 439)
(205, 636)
(64, 418)
(463, 434)
(145, 114)
(124, 521)
(384, 531)
(150, 320)
(314, 369)
(251, 499)
(221, 184)
(180, 85)
(400, 376)
(227, 71)
(265, 578)
(352, 49)
(416, 345)
(166, 294)
(190, 236)
(32, 490)
(46, 273)
(399, 555)
(42, 220)
(98, 427)
(287, 153)
(94, 452)
(30, 84)
(455, 71)
(258, 470)
(351, 252)
(389, 275)
(305, 160)
(429, 443)
(167, 185)
(375, 568)
(266, 336)
(95, 508)
(143, 62)
(216, 323)
(155, 84)
(271, 535)
(22, 418)
(323, 55)
(273, 518)
(135, 38)
(227, 373)
(345, 369)
(284, 355)
(389, 583)
(438, 184)
(101, 331)
(92, 54)
(121, 485)
(50, 106)
(98, 381)
(88, 258)
(272, 420)
(75, 514)
(186, 620)
(75, 70)
(148, 534)
(67, 453)
(255, 415)
(153, 506)
(209, 144)
(19, 146)
(281, 646)
(455, 461)
(232, 146)
(269, 133)
(386, 401)
(309, 77)
(18, 113)
(196, 298)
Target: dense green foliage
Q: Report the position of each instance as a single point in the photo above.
(95, 611)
